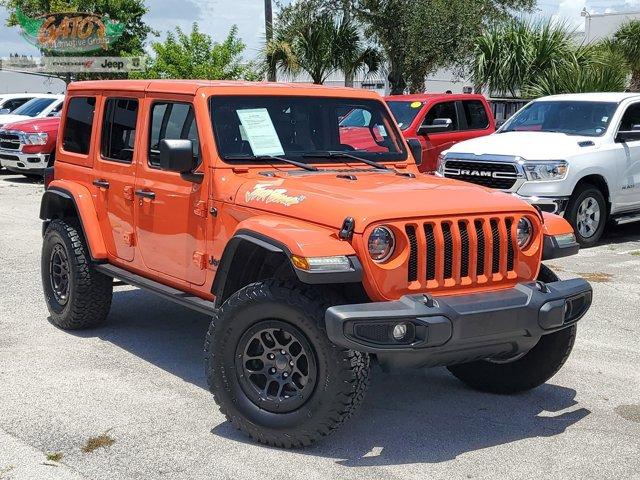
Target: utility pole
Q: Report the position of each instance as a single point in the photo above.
(268, 29)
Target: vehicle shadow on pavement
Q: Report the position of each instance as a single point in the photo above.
(620, 234)
(419, 417)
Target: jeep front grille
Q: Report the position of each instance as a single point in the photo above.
(464, 251)
(10, 141)
(488, 174)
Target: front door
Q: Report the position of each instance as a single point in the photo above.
(170, 209)
(627, 194)
(436, 143)
(114, 173)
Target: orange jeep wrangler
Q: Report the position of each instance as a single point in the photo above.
(315, 259)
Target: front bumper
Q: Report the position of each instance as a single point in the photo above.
(457, 329)
(556, 205)
(17, 161)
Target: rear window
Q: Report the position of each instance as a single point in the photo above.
(78, 125)
(34, 107)
(475, 114)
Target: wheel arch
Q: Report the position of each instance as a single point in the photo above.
(74, 202)
(251, 256)
(598, 181)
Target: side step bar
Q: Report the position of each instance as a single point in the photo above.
(628, 218)
(177, 296)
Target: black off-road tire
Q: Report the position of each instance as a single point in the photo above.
(526, 372)
(581, 193)
(89, 294)
(342, 374)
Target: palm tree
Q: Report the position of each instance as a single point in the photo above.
(319, 44)
(533, 58)
(627, 41)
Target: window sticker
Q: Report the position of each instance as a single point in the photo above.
(605, 119)
(382, 130)
(416, 104)
(260, 132)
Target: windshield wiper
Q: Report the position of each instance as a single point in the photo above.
(306, 166)
(338, 154)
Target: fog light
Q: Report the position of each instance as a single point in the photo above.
(399, 331)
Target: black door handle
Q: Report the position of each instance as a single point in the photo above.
(101, 183)
(146, 194)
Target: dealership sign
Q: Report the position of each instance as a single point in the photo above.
(74, 64)
(69, 32)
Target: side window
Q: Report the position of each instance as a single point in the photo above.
(475, 114)
(172, 121)
(15, 103)
(119, 129)
(631, 118)
(442, 110)
(78, 125)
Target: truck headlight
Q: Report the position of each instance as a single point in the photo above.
(34, 138)
(381, 244)
(440, 167)
(547, 170)
(525, 232)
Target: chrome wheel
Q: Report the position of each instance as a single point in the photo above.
(59, 274)
(588, 217)
(276, 366)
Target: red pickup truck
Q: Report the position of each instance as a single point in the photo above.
(440, 120)
(28, 146)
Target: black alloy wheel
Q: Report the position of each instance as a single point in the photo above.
(276, 366)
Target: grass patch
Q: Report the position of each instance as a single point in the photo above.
(596, 277)
(101, 441)
(54, 457)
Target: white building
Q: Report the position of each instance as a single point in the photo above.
(13, 82)
(602, 25)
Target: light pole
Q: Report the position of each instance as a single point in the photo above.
(268, 29)
(587, 26)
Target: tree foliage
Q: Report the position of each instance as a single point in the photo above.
(421, 36)
(532, 58)
(319, 39)
(196, 55)
(626, 42)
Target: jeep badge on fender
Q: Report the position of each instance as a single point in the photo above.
(313, 256)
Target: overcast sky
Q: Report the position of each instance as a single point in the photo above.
(216, 17)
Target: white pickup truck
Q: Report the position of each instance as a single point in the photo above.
(577, 155)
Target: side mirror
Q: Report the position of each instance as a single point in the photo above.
(4, 111)
(628, 136)
(416, 150)
(439, 125)
(177, 155)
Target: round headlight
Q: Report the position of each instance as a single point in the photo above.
(381, 244)
(525, 232)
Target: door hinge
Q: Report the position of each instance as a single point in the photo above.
(129, 239)
(200, 260)
(200, 209)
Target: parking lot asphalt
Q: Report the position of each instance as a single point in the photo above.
(129, 400)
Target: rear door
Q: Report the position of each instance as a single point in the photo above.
(170, 208)
(476, 120)
(114, 172)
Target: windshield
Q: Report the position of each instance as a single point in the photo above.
(571, 117)
(404, 112)
(34, 107)
(299, 128)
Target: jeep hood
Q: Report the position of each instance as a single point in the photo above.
(324, 198)
(529, 145)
